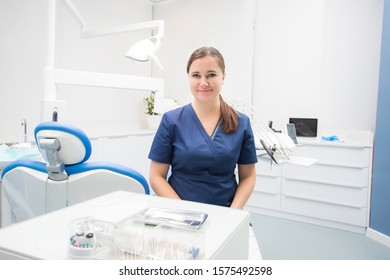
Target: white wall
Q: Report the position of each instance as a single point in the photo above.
(104, 54)
(190, 24)
(22, 55)
(312, 58)
(288, 59)
(318, 59)
(351, 62)
(23, 30)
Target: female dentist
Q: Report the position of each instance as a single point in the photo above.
(203, 142)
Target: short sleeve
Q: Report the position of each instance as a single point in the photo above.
(248, 148)
(162, 148)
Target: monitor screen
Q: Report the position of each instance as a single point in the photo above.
(305, 127)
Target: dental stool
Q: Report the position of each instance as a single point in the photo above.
(32, 188)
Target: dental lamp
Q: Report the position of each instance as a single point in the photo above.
(144, 50)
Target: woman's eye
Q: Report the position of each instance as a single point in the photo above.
(211, 75)
(195, 75)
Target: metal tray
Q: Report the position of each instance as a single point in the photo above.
(189, 219)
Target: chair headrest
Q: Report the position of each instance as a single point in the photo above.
(75, 144)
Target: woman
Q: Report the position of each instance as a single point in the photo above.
(203, 142)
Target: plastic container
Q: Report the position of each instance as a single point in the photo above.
(82, 240)
(162, 242)
(128, 238)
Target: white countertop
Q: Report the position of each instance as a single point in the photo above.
(47, 236)
(347, 138)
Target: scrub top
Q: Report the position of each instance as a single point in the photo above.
(202, 166)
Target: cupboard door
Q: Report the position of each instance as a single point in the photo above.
(325, 211)
(118, 150)
(338, 175)
(337, 155)
(140, 148)
(323, 192)
(264, 200)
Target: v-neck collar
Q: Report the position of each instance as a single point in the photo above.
(210, 141)
(216, 128)
(201, 127)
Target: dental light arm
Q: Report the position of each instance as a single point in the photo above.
(87, 33)
(159, 24)
(141, 51)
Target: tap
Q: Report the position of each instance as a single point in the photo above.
(24, 126)
(55, 115)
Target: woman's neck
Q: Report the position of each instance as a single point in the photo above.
(207, 110)
(207, 115)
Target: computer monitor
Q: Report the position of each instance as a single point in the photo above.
(305, 127)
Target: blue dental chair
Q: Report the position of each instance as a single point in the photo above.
(32, 188)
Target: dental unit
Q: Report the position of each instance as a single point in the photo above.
(31, 188)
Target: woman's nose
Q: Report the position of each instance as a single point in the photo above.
(204, 83)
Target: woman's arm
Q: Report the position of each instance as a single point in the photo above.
(157, 178)
(247, 180)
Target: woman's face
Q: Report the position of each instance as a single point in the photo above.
(206, 79)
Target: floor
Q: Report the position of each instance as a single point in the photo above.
(282, 239)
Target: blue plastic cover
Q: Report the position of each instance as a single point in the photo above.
(35, 165)
(117, 168)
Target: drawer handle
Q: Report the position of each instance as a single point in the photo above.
(325, 183)
(323, 201)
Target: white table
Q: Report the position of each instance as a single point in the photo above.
(47, 236)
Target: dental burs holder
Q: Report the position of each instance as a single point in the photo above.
(50, 148)
(82, 242)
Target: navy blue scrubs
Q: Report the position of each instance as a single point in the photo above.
(202, 167)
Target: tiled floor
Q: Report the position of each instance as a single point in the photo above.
(282, 239)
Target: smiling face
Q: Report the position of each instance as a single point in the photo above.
(206, 78)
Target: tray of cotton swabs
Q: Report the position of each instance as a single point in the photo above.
(163, 242)
(174, 217)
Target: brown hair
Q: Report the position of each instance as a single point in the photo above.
(229, 115)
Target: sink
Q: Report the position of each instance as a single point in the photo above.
(18, 151)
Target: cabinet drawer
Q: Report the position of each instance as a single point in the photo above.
(325, 211)
(270, 184)
(267, 167)
(264, 200)
(341, 175)
(337, 155)
(333, 194)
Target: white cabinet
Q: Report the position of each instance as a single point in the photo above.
(268, 185)
(334, 192)
(129, 150)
